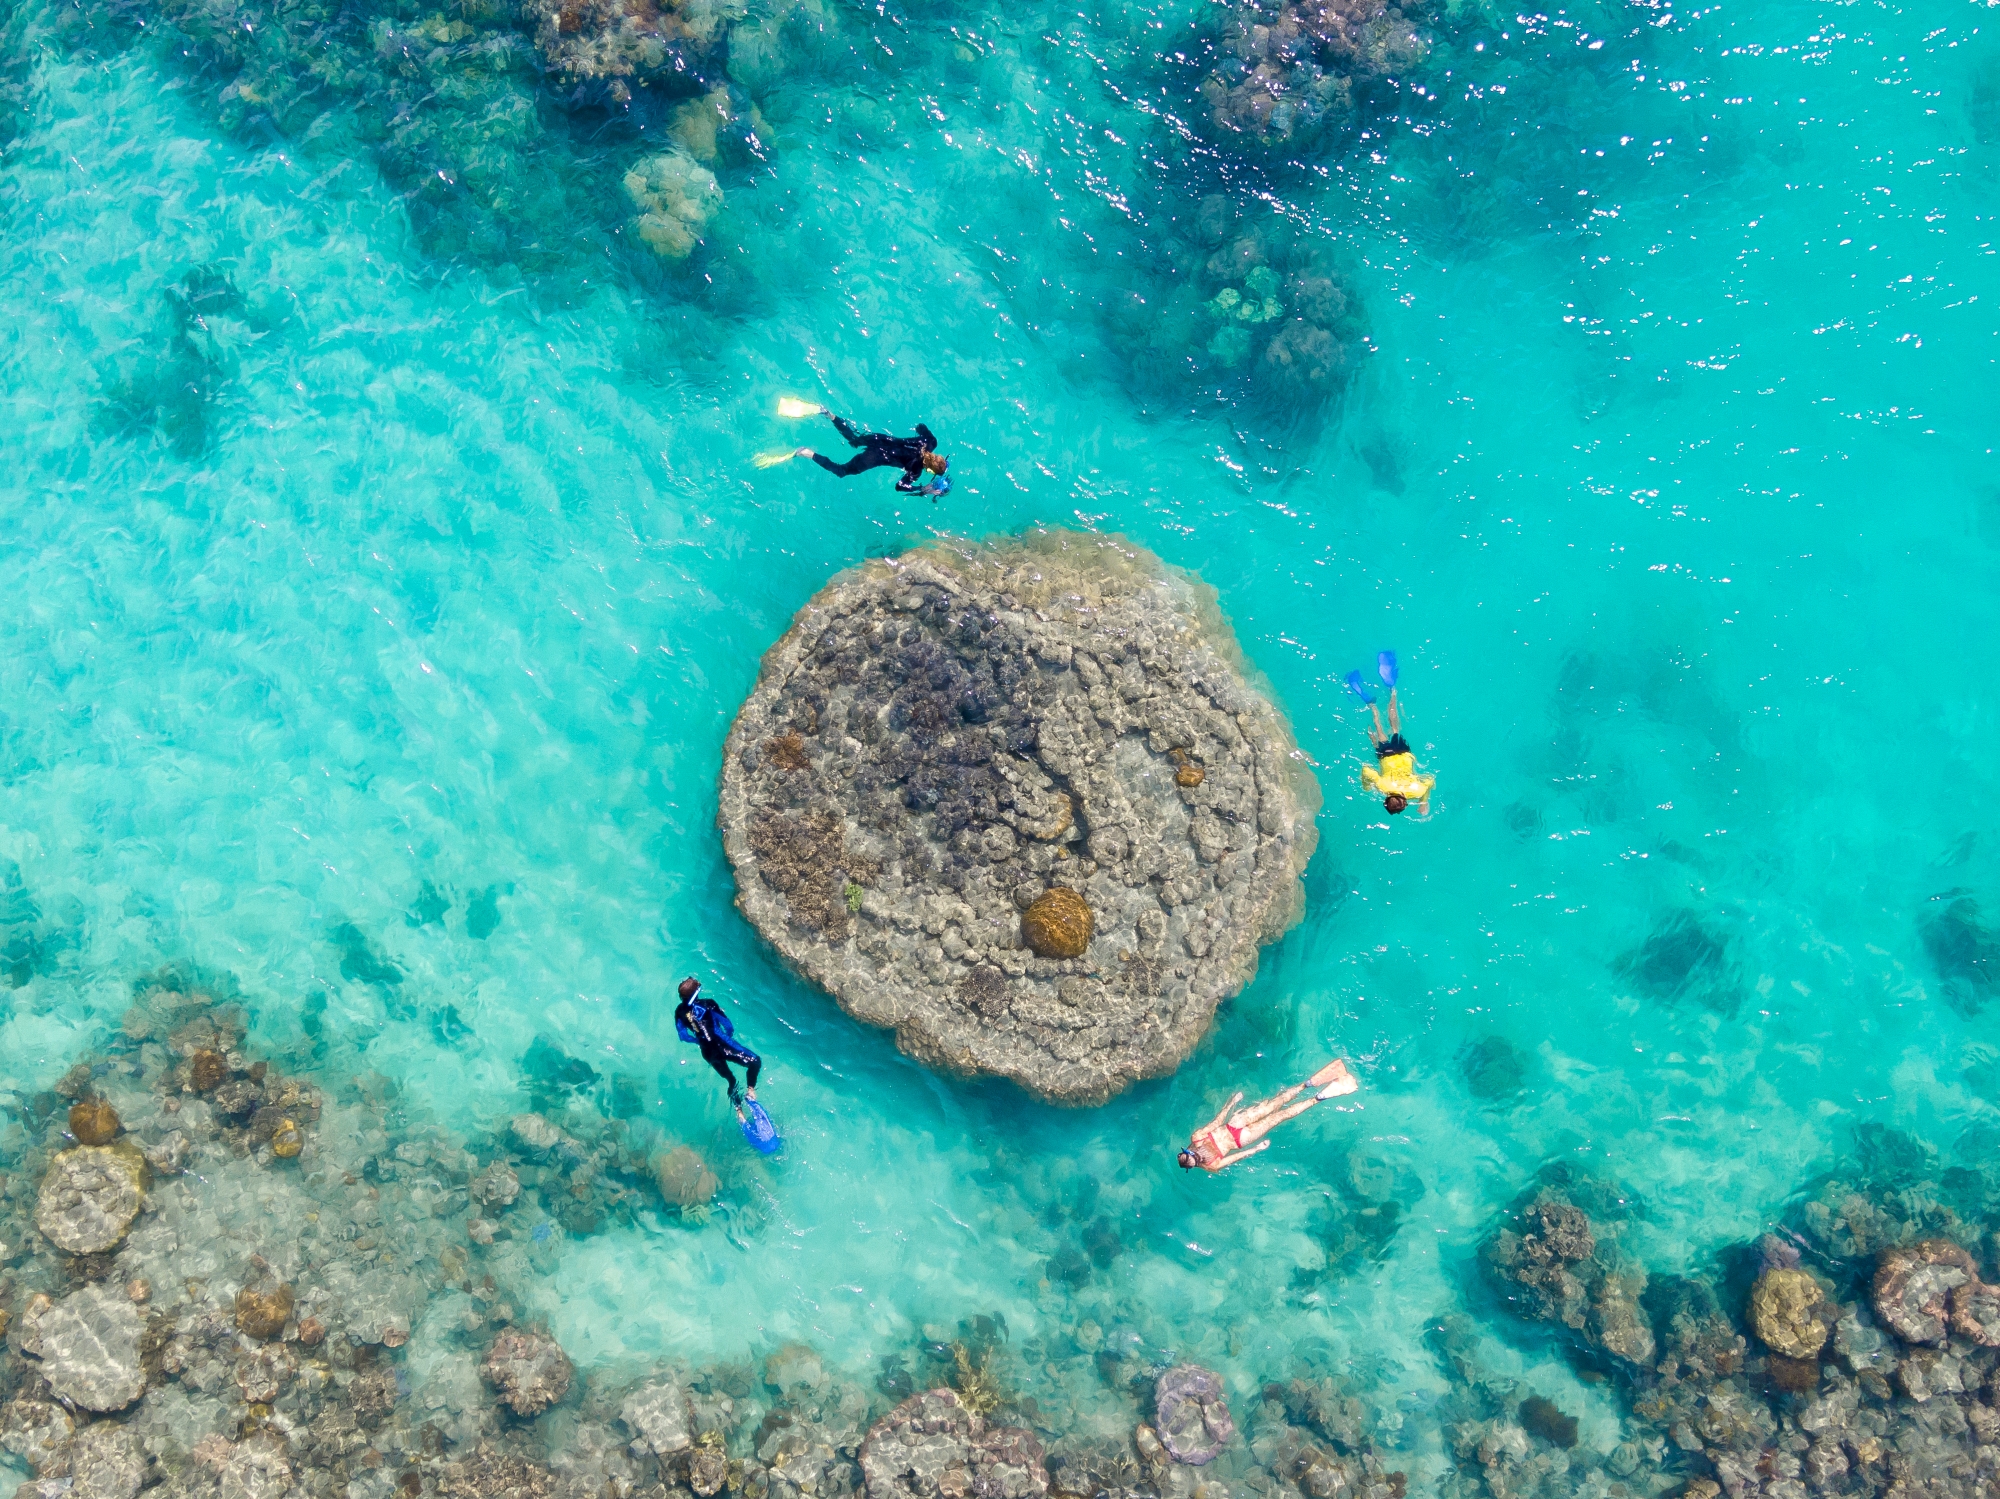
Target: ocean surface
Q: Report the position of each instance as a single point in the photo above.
(374, 603)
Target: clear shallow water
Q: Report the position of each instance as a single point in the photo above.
(1667, 474)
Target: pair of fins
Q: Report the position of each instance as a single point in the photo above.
(759, 1130)
(1385, 666)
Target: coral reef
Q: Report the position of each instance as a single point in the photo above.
(932, 1447)
(1789, 1311)
(528, 1371)
(1192, 1411)
(1912, 1287)
(968, 733)
(90, 1196)
(598, 49)
(1246, 304)
(1290, 72)
(675, 198)
(1059, 924)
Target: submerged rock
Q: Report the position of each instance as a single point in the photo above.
(90, 1197)
(1912, 1285)
(89, 1345)
(34, 1430)
(1975, 1313)
(496, 1186)
(106, 1461)
(1193, 1410)
(932, 1447)
(948, 741)
(684, 1178)
(1790, 1312)
(658, 1415)
(528, 1371)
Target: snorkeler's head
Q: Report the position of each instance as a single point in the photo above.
(1394, 802)
(688, 988)
(936, 463)
(1187, 1160)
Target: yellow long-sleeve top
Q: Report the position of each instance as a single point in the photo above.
(1397, 776)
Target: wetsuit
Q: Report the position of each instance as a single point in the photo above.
(880, 450)
(702, 1022)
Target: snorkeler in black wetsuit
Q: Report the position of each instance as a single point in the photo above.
(702, 1022)
(922, 465)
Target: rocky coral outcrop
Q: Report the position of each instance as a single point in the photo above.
(528, 1370)
(89, 1347)
(1287, 73)
(658, 1414)
(945, 739)
(90, 1196)
(1790, 1312)
(675, 198)
(1192, 1414)
(1912, 1288)
(932, 1447)
(600, 48)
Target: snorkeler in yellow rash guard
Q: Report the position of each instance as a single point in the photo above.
(1393, 776)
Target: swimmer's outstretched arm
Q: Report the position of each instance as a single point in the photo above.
(1216, 1122)
(1236, 1155)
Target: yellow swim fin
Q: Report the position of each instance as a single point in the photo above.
(793, 406)
(772, 460)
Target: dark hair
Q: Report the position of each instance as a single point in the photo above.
(1187, 1160)
(1394, 802)
(688, 987)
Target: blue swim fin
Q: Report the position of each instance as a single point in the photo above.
(1354, 686)
(759, 1130)
(1386, 664)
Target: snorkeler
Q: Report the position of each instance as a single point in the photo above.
(922, 464)
(1394, 775)
(1224, 1141)
(702, 1023)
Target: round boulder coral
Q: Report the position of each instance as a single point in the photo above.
(955, 801)
(1058, 924)
(1193, 1412)
(932, 1447)
(1975, 1313)
(528, 1371)
(90, 1197)
(1789, 1312)
(1912, 1285)
(675, 197)
(93, 1122)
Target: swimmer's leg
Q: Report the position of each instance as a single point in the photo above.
(1264, 1108)
(719, 1060)
(750, 1062)
(1379, 735)
(846, 429)
(859, 463)
(1395, 714)
(1333, 1081)
(1270, 1121)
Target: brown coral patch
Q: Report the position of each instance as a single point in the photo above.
(787, 752)
(1058, 924)
(94, 1122)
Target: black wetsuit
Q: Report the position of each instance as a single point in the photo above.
(702, 1022)
(880, 450)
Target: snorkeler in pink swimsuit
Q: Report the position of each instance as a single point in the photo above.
(1225, 1140)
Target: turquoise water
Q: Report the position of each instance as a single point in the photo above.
(344, 570)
